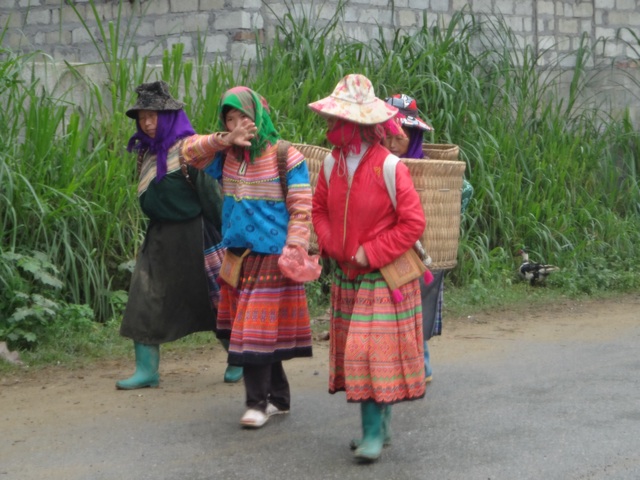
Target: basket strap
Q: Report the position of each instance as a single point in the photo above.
(389, 174)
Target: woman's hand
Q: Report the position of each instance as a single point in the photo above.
(360, 257)
(242, 133)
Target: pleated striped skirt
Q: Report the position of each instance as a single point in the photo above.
(376, 351)
(266, 318)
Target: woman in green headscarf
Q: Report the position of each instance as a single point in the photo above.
(263, 313)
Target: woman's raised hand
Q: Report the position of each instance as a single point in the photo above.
(242, 133)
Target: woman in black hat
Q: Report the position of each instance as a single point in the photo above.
(173, 290)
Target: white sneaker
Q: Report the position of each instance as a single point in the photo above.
(273, 410)
(253, 419)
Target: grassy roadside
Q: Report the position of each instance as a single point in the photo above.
(102, 342)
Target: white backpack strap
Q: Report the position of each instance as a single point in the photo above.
(389, 174)
(328, 164)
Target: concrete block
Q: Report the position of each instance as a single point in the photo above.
(351, 14)
(527, 24)
(10, 4)
(39, 38)
(624, 19)
(605, 32)
(406, 18)
(168, 24)
(70, 54)
(585, 27)
(523, 7)
(599, 20)
(627, 5)
(216, 43)
(29, 3)
(419, 4)
(145, 29)
(196, 23)
(483, 6)
(546, 42)
(16, 40)
(514, 23)
(563, 43)
(80, 35)
(246, 4)
(546, 8)
(542, 25)
(232, 20)
(184, 40)
(583, 9)
(104, 11)
(147, 48)
(375, 16)
(566, 25)
(605, 4)
(183, 6)
(11, 19)
(156, 7)
(68, 15)
(38, 17)
(459, 4)
(242, 52)
(568, 61)
(626, 36)
(211, 5)
(505, 7)
(58, 37)
(257, 21)
(440, 5)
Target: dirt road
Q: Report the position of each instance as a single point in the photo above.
(549, 392)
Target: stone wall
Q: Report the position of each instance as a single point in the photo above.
(227, 29)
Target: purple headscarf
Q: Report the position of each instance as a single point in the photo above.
(415, 143)
(172, 126)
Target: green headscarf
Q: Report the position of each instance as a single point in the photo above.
(256, 108)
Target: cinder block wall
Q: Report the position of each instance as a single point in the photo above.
(227, 29)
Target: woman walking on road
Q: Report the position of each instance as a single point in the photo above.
(376, 350)
(266, 217)
(173, 290)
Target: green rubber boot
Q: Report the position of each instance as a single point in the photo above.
(146, 374)
(386, 430)
(373, 438)
(233, 374)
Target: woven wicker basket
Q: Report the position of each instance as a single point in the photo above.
(439, 185)
(440, 151)
(314, 156)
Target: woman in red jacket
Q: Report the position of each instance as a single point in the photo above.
(376, 352)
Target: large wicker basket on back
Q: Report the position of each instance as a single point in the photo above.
(314, 156)
(439, 184)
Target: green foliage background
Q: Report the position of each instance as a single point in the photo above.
(551, 172)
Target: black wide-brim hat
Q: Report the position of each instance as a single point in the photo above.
(154, 96)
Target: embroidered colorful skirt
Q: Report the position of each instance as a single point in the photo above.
(266, 318)
(376, 351)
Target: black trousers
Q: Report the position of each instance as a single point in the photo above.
(266, 383)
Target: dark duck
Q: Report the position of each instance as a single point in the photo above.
(534, 273)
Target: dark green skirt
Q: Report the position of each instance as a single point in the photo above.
(170, 293)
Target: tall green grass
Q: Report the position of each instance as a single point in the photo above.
(552, 170)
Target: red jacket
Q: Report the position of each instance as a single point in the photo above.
(346, 217)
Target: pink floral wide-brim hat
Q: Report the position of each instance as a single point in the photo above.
(354, 100)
